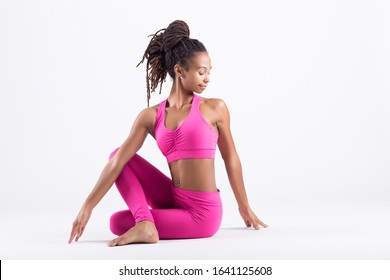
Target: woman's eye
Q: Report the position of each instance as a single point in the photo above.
(201, 73)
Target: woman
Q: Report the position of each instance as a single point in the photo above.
(187, 129)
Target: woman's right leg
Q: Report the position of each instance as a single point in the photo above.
(140, 184)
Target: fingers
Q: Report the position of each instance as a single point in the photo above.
(259, 222)
(255, 222)
(80, 233)
(72, 234)
(77, 231)
(263, 224)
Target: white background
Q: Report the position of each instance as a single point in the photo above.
(307, 87)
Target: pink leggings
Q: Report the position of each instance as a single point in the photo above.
(151, 195)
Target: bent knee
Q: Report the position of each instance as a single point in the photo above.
(121, 221)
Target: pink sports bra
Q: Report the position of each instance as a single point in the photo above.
(194, 138)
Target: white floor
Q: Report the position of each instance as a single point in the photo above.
(343, 231)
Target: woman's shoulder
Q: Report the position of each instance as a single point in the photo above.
(213, 103)
(147, 117)
(152, 108)
(148, 114)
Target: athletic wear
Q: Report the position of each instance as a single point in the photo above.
(176, 213)
(194, 138)
(151, 195)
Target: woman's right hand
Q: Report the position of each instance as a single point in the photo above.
(80, 223)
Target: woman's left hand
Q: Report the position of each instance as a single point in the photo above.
(251, 219)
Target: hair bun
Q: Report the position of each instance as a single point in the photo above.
(174, 33)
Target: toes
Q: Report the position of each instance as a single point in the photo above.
(122, 242)
(113, 242)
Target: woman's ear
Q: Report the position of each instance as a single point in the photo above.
(178, 70)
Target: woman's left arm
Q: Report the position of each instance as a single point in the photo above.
(233, 165)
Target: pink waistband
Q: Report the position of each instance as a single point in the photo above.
(176, 155)
(190, 197)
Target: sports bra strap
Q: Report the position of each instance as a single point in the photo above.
(160, 109)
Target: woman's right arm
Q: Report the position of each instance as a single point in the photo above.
(111, 171)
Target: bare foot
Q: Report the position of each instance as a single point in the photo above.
(142, 232)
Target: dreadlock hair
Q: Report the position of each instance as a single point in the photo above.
(168, 47)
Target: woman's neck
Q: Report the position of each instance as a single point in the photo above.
(180, 99)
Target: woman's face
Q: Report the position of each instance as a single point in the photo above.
(197, 76)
